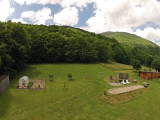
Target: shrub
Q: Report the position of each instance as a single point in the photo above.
(105, 93)
(144, 69)
(51, 76)
(30, 84)
(65, 85)
(38, 85)
(69, 75)
(150, 69)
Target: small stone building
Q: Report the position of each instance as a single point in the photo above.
(149, 75)
(4, 82)
(23, 82)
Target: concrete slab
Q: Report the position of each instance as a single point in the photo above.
(115, 91)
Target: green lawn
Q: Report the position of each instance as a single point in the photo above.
(81, 100)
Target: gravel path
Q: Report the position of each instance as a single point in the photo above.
(115, 84)
(125, 89)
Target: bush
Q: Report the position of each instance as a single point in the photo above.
(30, 84)
(65, 85)
(144, 69)
(150, 69)
(69, 75)
(51, 76)
(105, 93)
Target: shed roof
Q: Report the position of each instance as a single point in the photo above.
(148, 72)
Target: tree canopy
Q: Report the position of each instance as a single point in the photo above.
(136, 65)
(156, 65)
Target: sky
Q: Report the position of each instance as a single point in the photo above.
(140, 17)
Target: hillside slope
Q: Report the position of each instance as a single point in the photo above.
(131, 41)
(21, 44)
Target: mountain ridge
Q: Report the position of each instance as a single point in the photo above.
(129, 40)
(115, 34)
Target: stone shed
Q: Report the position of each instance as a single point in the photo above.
(4, 82)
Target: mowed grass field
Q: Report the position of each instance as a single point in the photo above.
(81, 100)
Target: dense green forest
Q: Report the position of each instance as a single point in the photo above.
(22, 43)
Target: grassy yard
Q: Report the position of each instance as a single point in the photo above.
(81, 100)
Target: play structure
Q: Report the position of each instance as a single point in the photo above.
(23, 82)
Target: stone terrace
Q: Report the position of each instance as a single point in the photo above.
(115, 91)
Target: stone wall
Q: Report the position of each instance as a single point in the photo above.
(4, 82)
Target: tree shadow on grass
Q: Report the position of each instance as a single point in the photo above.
(32, 72)
(5, 100)
(29, 71)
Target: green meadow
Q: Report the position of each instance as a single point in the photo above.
(128, 39)
(81, 99)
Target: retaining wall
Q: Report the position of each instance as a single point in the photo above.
(4, 82)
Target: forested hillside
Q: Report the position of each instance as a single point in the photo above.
(21, 44)
(134, 41)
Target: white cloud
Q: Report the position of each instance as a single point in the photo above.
(158, 43)
(43, 15)
(5, 9)
(19, 20)
(63, 3)
(21, 2)
(39, 17)
(150, 34)
(29, 14)
(77, 3)
(43, 2)
(122, 15)
(98, 22)
(68, 16)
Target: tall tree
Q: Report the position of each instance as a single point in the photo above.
(156, 64)
(136, 65)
